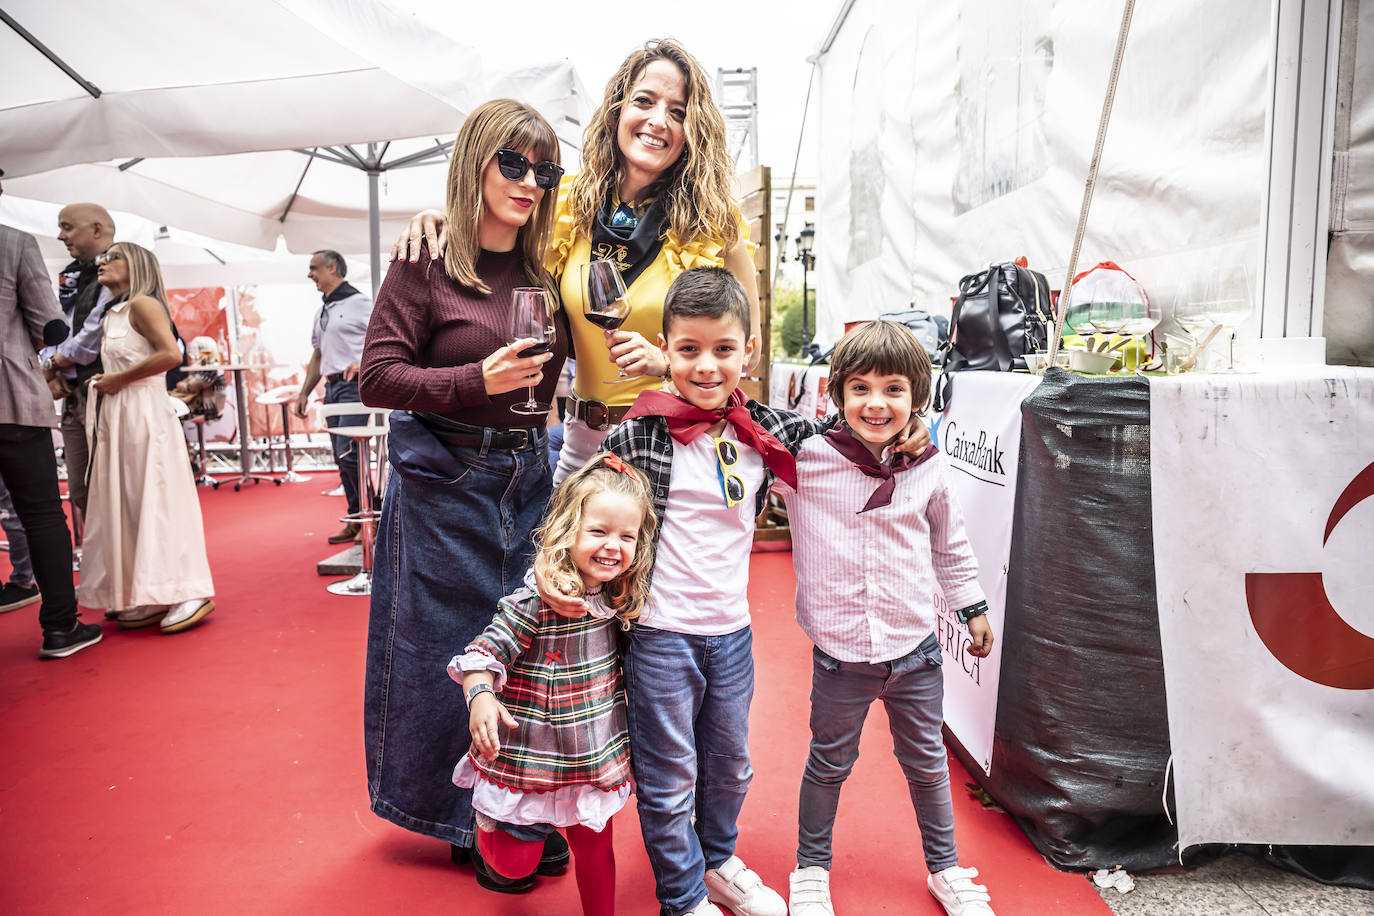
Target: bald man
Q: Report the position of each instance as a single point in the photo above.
(87, 230)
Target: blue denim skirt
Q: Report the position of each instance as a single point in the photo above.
(452, 540)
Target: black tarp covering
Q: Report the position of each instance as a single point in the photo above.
(1082, 737)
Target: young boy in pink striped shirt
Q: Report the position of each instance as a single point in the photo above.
(875, 534)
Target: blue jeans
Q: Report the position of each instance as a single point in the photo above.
(451, 542)
(345, 452)
(912, 689)
(21, 572)
(689, 736)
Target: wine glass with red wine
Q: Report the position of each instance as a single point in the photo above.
(606, 305)
(530, 319)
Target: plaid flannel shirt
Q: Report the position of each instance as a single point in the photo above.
(564, 686)
(646, 443)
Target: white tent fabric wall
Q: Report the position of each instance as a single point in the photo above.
(1349, 324)
(955, 135)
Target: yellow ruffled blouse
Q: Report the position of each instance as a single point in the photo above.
(569, 251)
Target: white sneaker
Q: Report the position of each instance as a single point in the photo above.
(705, 908)
(808, 892)
(742, 891)
(141, 616)
(957, 893)
(187, 614)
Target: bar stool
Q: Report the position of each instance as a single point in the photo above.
(182, 412)
(282, 395)
(374, 432)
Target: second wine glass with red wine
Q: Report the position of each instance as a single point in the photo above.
(606, 305)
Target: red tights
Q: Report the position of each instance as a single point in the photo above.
(593, 862)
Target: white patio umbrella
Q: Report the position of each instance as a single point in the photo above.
(248, 121)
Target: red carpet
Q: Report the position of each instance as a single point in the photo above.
(221, 770)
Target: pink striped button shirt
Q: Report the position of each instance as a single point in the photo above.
(866, 582)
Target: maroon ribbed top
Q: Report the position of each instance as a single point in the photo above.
(429, 335)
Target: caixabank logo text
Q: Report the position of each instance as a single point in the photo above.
(1294, 617)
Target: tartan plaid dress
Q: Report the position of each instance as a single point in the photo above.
(564, 686)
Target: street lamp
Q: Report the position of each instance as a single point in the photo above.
(805, 240)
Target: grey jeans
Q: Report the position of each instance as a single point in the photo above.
(76, 449)
(21, 565)
(912, 689)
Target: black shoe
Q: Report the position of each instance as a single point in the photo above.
(459, 855)
(60, 645)
(554, 861)
(13, 597)
(494, 881)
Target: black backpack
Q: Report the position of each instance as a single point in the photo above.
(1002, 314)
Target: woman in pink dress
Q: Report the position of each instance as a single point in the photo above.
(144, 548)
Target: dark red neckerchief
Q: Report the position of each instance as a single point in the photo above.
(686, 421)
(848, 445)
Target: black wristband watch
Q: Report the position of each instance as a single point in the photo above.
(968, 613)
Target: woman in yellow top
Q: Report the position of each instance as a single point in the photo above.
(653, 196)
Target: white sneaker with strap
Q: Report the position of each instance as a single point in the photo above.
(808, 892)
(742, 891)
(705, 908)
(957, 893)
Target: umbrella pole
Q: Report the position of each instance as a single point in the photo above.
(374, 229)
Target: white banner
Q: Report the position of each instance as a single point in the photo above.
(1262, 527)
(980, 434)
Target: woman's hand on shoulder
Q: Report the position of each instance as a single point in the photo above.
(559, 601)
(506, 370)
(425, 226)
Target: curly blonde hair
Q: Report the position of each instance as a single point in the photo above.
(627, 593)
(696, 189)
(500, 123)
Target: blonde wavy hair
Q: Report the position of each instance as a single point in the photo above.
(500, 123)
(696, 189)
(626, 594)
(145, 274)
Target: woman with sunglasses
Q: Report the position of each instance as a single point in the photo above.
(144, 547)
(469, 476)
(654, 196)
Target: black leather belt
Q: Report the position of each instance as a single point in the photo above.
(595, 414)
(334, 377)
(451, 432)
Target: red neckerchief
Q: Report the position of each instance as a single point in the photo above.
(848, 445)
(686, 421)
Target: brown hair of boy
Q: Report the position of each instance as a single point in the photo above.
(884, 347)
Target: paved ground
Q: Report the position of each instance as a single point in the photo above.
(1237, 885)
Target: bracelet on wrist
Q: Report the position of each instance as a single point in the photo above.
(968, 613)
(476, 689)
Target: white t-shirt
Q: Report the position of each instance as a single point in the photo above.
(701, 573)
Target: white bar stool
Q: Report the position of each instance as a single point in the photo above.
(374, 433)
(282, 395)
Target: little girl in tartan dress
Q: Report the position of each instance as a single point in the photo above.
(550, 745)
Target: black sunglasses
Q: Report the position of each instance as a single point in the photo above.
(514, 166)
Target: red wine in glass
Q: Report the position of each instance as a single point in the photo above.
(530, 319)
(606, 305)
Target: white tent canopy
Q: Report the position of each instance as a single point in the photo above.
(205, 130)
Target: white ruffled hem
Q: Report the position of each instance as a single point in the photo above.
(585, 805)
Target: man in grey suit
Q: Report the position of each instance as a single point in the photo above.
(27, 462)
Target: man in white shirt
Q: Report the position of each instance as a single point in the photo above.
(337, 336)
